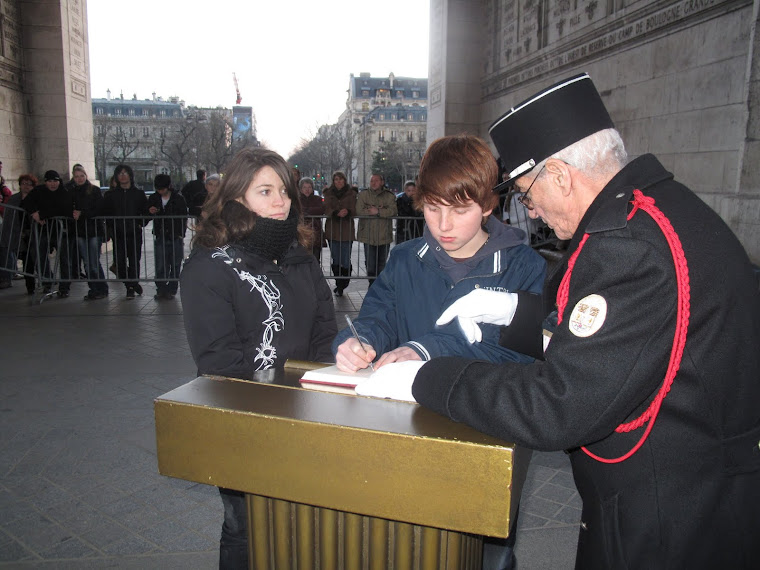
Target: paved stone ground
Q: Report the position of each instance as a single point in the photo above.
(79, 486)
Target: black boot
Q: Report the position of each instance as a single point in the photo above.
(336, 272)
(345, 271)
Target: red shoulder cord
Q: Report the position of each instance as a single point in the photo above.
(682, 319)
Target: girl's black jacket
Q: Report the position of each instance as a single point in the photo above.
(244, 313)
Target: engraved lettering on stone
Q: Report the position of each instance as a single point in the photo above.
(524, 56)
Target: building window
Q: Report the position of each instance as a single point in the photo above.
(365, 93)
(99, 111)
(163, 113)
(163, 132)
(382, 116)
(146, 112)
(146, 132)
(132, 132)
(422, 117)
(409, 116)
(400, 94)
(117, 112)
(119, 131)
(101, 129)
(422, 136)
(131, 112)
(409, 137)
(365, 106)
(381, 136)
(415, 94)
(393, 116)
(393, 136)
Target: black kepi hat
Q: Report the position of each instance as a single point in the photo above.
(546, 123)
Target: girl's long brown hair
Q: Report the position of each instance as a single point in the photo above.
(225, 219)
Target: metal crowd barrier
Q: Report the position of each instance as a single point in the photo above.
(52, 256)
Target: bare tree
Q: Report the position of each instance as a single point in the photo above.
(177, 144)
(124, 147)
(217, 146)
(104, 147)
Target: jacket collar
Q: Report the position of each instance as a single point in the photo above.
(609, 210)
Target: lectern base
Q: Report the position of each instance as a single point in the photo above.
(287, 535)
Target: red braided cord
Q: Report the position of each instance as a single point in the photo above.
(682, 319)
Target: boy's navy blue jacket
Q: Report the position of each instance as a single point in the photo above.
(416, 286)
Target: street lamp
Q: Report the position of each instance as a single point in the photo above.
(364, 122)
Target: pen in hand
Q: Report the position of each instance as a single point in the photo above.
(356, 336)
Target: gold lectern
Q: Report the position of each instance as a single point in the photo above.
(339, 481)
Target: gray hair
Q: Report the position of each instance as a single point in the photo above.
(600, 153)
(305, 180)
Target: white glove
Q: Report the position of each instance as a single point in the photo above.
(392, 380)
(480, 306)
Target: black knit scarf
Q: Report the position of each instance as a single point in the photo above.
(271, 238)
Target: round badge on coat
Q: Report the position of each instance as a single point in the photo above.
(588, 316)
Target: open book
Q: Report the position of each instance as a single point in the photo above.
(330, 379)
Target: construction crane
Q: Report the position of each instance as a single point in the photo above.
(237, 90)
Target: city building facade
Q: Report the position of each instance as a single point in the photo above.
(157, 136)
(385, 115)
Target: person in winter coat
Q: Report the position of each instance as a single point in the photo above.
(463, 249)
(252, 295)
(312, 205)
(90, 232)
(14, 238)
(376, 232)
(50, 207)
(408, 228)
(130, 205)
(168, 235)
(340, 209)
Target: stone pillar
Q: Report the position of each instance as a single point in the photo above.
(743, 212)
(456, 60)
(45, 87)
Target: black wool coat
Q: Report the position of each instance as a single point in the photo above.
(244, 313)
(690, 496)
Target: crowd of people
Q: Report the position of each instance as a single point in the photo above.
(73, 221)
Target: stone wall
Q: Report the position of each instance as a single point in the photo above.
(680, 79)
(44, 87)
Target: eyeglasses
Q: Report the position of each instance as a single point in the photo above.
(523, 198)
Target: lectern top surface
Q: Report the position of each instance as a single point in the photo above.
(286, 401)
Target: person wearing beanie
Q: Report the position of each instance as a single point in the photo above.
(252, 295)
(168, 235)
(50, 207)
(650, 378)
(129, 206)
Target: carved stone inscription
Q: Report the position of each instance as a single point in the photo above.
(11, 51)
(77, 49)
(543, 36)
(436, 53)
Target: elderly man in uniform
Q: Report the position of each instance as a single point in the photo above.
(651, 379)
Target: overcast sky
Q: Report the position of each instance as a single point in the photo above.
(292, 58)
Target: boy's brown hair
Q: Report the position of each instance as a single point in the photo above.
(456, 169)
